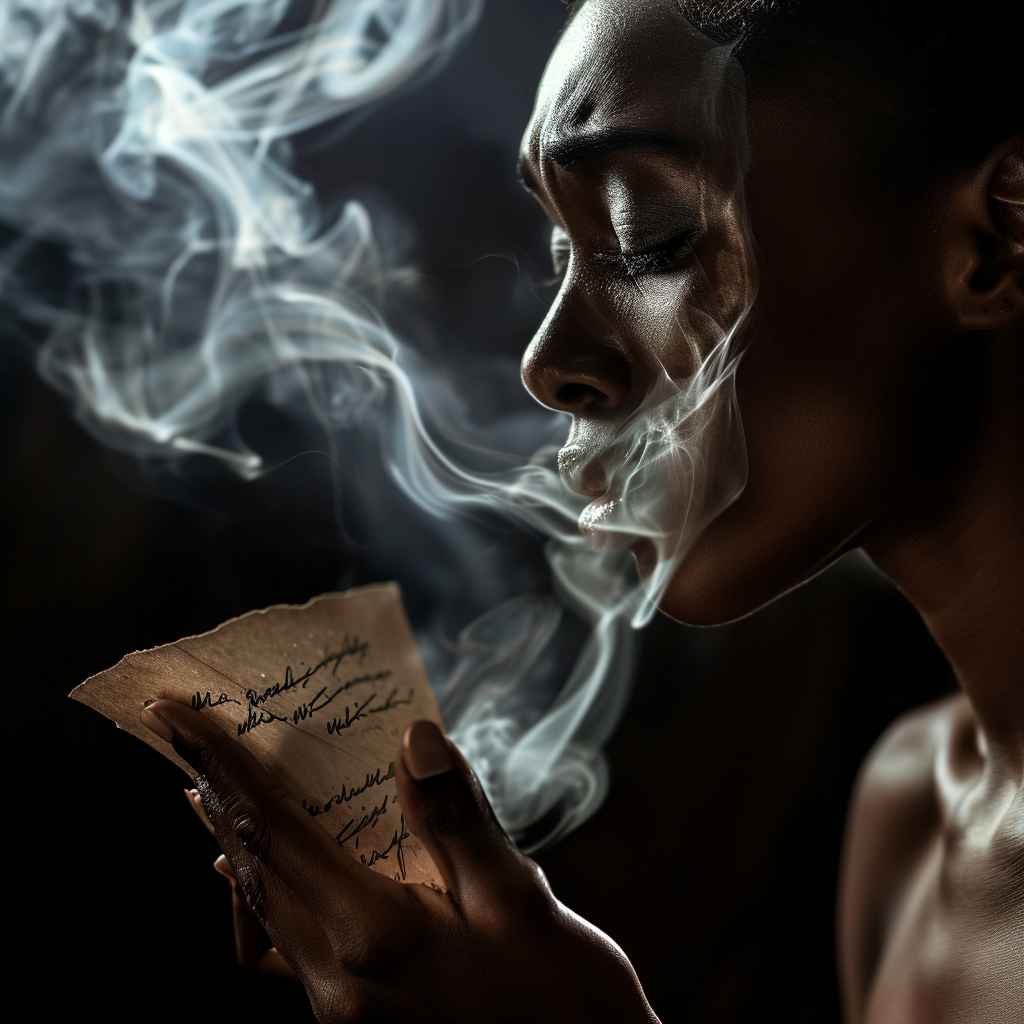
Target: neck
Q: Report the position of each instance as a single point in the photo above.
(957, 551)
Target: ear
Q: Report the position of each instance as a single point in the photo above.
(990, 286)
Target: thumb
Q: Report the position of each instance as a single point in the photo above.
(447, 811)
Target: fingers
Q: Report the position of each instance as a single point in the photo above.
(274, 964)
(223, 867)
(264, 910)
(252, 944)
(253, 947)
(196, 803)
(240, 797)
(448, 811)
(251, 939)
(249, 809)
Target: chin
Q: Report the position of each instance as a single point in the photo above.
(706, 606)
(709, 591)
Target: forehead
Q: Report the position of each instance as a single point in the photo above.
(630, 64)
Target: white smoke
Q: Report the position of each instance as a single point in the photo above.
(149, 143)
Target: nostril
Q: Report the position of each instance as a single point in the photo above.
(575, 395)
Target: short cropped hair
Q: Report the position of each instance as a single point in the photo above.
(928, 86)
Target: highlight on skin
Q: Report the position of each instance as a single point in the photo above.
(202, 271)
(682, 268)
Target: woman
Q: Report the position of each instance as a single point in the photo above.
(880, 388)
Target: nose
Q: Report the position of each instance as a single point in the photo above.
(573, 363)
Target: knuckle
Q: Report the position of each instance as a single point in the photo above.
(252, 829)
(241, 807)
(249, 816)
(246, 819)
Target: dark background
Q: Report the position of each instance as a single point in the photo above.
(713, 862)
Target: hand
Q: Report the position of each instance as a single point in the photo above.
(253, 947)
(497, 947)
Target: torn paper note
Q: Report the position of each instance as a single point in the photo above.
(319, 693)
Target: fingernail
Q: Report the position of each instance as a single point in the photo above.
(155, 724)
(426, 751)
(197, 805)
(223, 867)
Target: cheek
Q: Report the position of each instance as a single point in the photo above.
(828, 390)
(674, 319)
(668, 329)
(813, 485)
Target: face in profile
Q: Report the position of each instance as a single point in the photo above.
(662, 180)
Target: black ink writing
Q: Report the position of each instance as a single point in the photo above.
(394, 846)
(311, 707)
(355, 712)
(353, 648)
(256, 718)
(347, 795)
(351, 829)
(207, 700)
(352, 715)
(393, 701)
(370, 677)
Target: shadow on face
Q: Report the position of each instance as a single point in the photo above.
(638, 151)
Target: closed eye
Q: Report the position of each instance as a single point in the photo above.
(653, 260)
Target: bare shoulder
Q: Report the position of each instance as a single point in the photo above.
(894, 815)
(900, 768)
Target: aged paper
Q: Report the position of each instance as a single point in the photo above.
(319, 693)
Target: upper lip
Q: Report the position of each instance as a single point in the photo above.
(582, 470)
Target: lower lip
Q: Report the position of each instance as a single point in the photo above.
(596, 513)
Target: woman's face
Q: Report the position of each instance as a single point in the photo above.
(638, 151)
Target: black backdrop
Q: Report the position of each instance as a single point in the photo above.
(713, 861)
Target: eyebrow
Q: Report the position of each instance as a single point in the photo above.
(575, 149)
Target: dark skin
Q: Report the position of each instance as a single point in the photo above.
(881, 397)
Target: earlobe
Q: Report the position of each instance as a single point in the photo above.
(995, 291)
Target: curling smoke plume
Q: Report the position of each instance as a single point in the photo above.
(151, 144)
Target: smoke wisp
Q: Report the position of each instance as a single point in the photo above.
(151, 143)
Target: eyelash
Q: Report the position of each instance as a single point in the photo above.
(654, 260)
